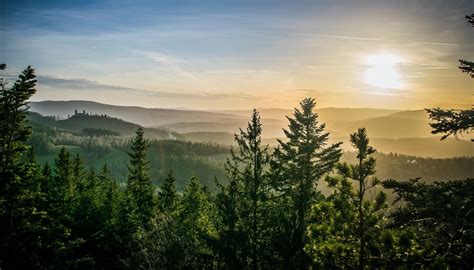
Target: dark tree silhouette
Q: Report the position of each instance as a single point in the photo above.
(452, 122)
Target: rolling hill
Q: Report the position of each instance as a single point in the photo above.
(92, 123)
(147, 117)
(391, 131)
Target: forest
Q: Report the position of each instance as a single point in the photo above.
(265, 208)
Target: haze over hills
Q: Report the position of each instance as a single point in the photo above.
(404, 132)
(149, 117)
(103, 139)
(328, 114)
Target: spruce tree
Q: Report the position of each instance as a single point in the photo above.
(346, 229)
(454, 122)
(62, 185)
(247, 170)
(362, 173)
(168, 196)
(108, 192)
(139, 187)
(195, 218)
(229, 246)
(14, 128)
(297, 167)
(20, 220)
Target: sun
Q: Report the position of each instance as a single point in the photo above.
(382, 71)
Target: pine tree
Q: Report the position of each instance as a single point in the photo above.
(465, 65)
(230, 237)
(346, 229)
(440, 217)
(363, 174)
(297, 167)
(454, 122)
(62, 185)
(139, 188)
(195, 218)
(78, 179)
(14, 129)
(108, 191)
(168, 196)
(19, 218)
(247, 171)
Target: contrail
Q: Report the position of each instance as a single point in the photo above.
(371, 39)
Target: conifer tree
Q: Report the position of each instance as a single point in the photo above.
(168, 196)
(230, 236)
(139, 188)
(14, 128)
(247, 171)
(346, 227)
(361, 173)
(108, 190)
(195, 219)
(78, 179)
(454, 122)
(297, 167)
(19, 218)
(62, 185)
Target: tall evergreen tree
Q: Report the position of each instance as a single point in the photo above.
(14, 128)
(61, 186)
(347, 224)
(230, 231)
(247, 170)
(363, 174)
(168, 196)
(108, 190)
(18, 192)
(139, 189)
(297, 167)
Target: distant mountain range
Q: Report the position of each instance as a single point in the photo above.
(403, 132)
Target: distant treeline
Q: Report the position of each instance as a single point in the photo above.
(207, 159)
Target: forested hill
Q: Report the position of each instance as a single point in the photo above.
(96, 125)
(204, 159)
(101, 138)
(148, 117)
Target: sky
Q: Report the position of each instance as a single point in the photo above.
(242, 54)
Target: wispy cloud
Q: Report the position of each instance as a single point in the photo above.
(160, 58)
(88, 85)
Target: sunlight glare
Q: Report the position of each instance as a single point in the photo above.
(382, 72)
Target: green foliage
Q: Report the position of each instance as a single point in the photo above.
(454, 122)
(139, 189)
(19, 195)
(347, 225)
(451, 122)
(441, 216)
(14, 123)
(168, 198)
(70, 217)
(181, 239)
(248, 198)
(99, 132)
(297, 166)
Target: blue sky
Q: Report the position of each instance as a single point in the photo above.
(239, 54)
